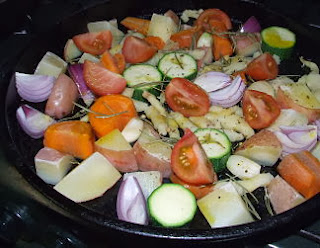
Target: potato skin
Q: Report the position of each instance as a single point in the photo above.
(63, 94)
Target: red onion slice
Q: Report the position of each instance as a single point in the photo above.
(297, 138)
(317, 123)
(252, 25)
(34, 88)
(212, 81)
(131, 204)
(32, 121)
(76, 73)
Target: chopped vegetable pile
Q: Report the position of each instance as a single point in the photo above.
(184, 112)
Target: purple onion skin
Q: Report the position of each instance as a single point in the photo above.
(252, 25)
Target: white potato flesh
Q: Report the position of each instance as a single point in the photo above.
(242, 167)
(114, 141)
(224, 207)
(252, 184)
(133, 129)
(89, 180)
(162, 26)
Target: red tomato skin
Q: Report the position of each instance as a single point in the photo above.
(187, 98)
(189, 161)
(136, 50)
(101, 81)
(216, 14)
(263, 67)
(260, 109)
(94, 43)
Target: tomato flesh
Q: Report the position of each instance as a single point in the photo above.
(136, 50)
(187, 98)
(213, 14)
(94, 43)
(189, 161)
(260, 109)
(263, 67)
(101, 81)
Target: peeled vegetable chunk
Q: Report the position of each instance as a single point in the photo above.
(89, 180)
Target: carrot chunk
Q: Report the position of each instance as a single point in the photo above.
(72, 137)
(155, 41)
(222, 46)
(136, 24)
(109, 62)
(302, 171)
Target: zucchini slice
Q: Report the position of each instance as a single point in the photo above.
(178, 64)
(171, 205)
(140, 74)
(216, 145)
(279, 41)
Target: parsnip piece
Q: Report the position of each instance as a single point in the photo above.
(154, 102)
(182, 121)
(162, 26)
(51, 65)
(158, 120)
(253, 183)
(173, 128)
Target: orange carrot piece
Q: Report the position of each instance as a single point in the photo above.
(120, 106)
(184, 38)
(222, 46)
(136, 24)
(155, 41)
(72, 137)
(120, 61)
(302, 171)
(109, 62)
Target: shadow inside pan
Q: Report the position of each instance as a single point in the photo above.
(100, 213)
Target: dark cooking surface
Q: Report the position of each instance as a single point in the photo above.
(47, 9)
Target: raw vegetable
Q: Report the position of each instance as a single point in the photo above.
(259, 109)
(101, 81)
(178, 64)
(216, 14)
(216, 145)
(302, 171)
(132, 129)
(136, 24)
(89, 180)
(263, 86)
(242, 167)
(171, 205)
(76, 73)
(213, 80)
(111, 112)
(51, 165)
(162, 26)
(32, 121)
(185, 38)
(155, 41)
(34, 88)
(260, 180)
(51, 65)
(95, 43)
(279, 41)
(72, 137)
(246, 45)
(263, 67)
(131, 204)
(221, 47)
(62, 96)
(189, 161)
(109, 62)
(251, 25)
(141, 74)
(117, 150)
(224, 207)
(187, 98)
(205, 40)
(71, 51)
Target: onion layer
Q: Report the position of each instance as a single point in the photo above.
(297, 138)
(212, 80)
(32, 121)
(251, 26)
(34, 88)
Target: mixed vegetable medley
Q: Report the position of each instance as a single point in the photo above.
(184, 112)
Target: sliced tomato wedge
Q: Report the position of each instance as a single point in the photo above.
(94, 43)
(260, 109)
(187, 98)
(263, 67)
(136, 50)
(101, 81)
(189, 161)
(216, 14)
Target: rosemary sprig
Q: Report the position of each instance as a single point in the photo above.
(150, 84)
(179, 62)
(99, 115)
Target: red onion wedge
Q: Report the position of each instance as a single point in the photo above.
(131, 204)
(229, 95)
(32, 121)
(76, 73)
(213, 80)
(34, 88)
(317, 123)
(252, 25)
(297, 138)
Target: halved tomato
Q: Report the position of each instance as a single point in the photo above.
(94, 43)
(199, 191)
(101, 81)
(136, 50)
(189, 161)
(187, 98)
(217, 14)
(260, 109)
(263, 67)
